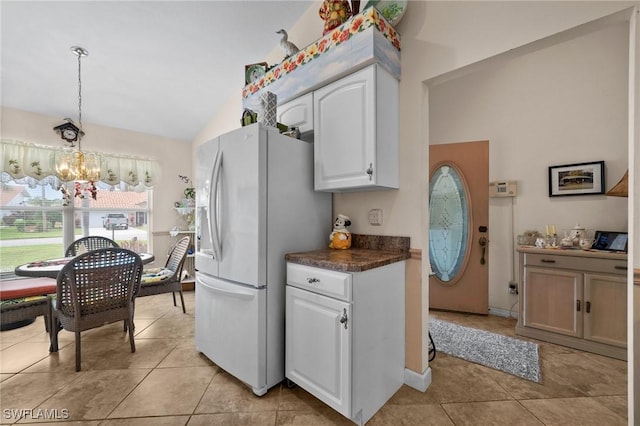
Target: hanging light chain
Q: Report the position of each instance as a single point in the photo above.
(79, 52)
(79, 96)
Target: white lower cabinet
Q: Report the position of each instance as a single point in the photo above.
(320, 359)
(345, 336)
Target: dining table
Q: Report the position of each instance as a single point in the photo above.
(50, 267)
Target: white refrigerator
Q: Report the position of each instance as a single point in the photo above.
(254, 203)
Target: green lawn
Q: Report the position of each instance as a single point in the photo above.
(12, 233)
(10, 257)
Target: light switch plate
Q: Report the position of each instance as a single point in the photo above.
(375, 217)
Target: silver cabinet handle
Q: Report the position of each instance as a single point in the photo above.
(370, 171)
(344, 319)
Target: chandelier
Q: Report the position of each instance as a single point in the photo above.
(76, 165)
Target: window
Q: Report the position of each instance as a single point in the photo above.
(34, 221)
(42, 211)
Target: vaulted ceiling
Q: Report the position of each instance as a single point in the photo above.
(158, 67)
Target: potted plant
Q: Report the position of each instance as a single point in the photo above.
(189, 192)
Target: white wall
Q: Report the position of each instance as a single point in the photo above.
(173, 156)
(563, 104)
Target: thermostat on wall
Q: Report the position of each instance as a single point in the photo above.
(503, 189)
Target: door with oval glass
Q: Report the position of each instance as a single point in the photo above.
(458, 227)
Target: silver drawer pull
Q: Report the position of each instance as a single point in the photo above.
(313, 280)
(547, 261)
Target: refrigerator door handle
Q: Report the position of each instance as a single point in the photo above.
(238, 293)
(213, 216)
(207, 209)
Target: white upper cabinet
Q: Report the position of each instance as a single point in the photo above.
(356, 131)
(298, 113)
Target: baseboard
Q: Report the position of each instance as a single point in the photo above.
(417, 381)
(503, 313)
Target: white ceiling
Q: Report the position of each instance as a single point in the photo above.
(158, 67)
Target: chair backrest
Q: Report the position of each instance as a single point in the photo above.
(177, 256)
(99, 281)
(92, 242)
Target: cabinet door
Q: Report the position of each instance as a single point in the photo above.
(318, 347)
(553, 300)
(605, 315)
(344, 140)
(298, 113)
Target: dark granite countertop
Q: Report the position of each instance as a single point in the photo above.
(366, 252)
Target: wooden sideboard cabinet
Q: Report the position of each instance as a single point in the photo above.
(574, 298)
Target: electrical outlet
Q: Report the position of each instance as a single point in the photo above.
(375, 217)
(513, 288)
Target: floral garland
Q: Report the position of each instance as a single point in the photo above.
(369, 18)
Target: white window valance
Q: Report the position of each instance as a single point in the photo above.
(33, 164)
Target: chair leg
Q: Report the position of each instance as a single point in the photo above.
(174, 298)
(133, 306)
(184, 310)
(54, 326)
(78, 351)
(131, 341)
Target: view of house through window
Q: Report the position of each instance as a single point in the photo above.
(33, 221)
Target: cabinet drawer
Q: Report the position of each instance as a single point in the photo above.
(322, 281)
(586, 264)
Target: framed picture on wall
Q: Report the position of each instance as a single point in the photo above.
(576, 179)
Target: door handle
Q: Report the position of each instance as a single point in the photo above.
(483, 246)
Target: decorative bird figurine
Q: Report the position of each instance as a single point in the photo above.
(288, 47)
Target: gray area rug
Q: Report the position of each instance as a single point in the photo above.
(513, 356)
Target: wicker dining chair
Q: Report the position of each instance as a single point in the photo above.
(92, 242)
(169, 278)
(94, 289)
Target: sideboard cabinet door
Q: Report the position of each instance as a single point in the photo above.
(553, 300)
(605, 313)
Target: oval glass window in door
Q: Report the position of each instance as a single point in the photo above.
(448, 223)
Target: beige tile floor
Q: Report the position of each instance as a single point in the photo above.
(167, 382)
